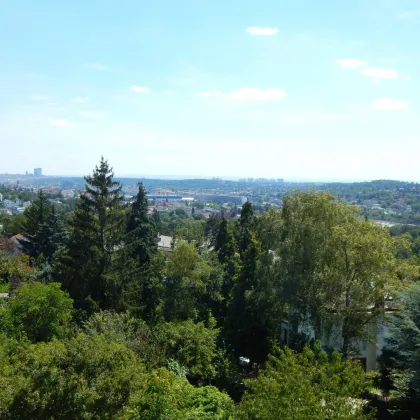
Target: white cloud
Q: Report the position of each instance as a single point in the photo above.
(61, 123)
(80, 100)
(139, 89)
(99, 67)
(254, 30)
(377, 74)
(39, 97)
(387, 104)
(52, 104)
(351, 63)
(252, 94)
(91, 115)
(168, 92)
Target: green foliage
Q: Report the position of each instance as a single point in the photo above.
(227, 254)
(50, 236)
(13, 225)
(366, 266)
(403, 344)
(13, 269)
(184, 344)
(132, 332)
(152, 324)
(192, 283)
(141, 238)
(35, 215)
(269, 229)
(304, 386)
(40, 312)
(225, 244)
(244, 331)
(255, 311)
(245, 226)
(192, 346)
(78, 266)
(80, 378)
(211, 227)
(334, 263)
(96, 231)
(170, 397)
(192, 232)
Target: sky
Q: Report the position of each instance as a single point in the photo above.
(299, 90)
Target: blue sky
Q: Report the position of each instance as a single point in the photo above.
(320, 90)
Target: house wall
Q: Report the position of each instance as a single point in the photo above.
(368, 350)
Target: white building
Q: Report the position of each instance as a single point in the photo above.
(18, 210)
(8, 204)
(367, 350)
(165, 243)
(67, 193)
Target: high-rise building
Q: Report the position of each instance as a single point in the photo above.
(38, 171)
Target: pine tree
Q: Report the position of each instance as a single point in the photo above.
(50, 235)
(138, 273)
(223, 242)
(245, 332)
(35, 216)
(141, 230)
(245, 227)
(103, 197)
(254, 300)
(226, 248)
(96, 233)
(78, 266)
(157, 220)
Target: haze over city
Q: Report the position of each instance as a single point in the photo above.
(302, 91)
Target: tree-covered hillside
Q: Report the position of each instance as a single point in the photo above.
(229, 322)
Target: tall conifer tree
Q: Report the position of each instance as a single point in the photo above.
(141, 230)
(50, 235)
(97, 230)
(35, 216)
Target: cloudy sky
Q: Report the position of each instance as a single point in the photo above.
(324, 90)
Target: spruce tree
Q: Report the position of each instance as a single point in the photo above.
(140, 284)
(244, 330)
(225, 242)
(35, 216)
(157, 220)
(78, 267)
(103, 198)
(50, 235)
(226, 248)
(245, 227)
(141, 230)
(96, 233)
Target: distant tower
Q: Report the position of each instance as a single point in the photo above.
(38, 171)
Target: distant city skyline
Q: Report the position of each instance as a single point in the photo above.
(227, 177)
(267, 88)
